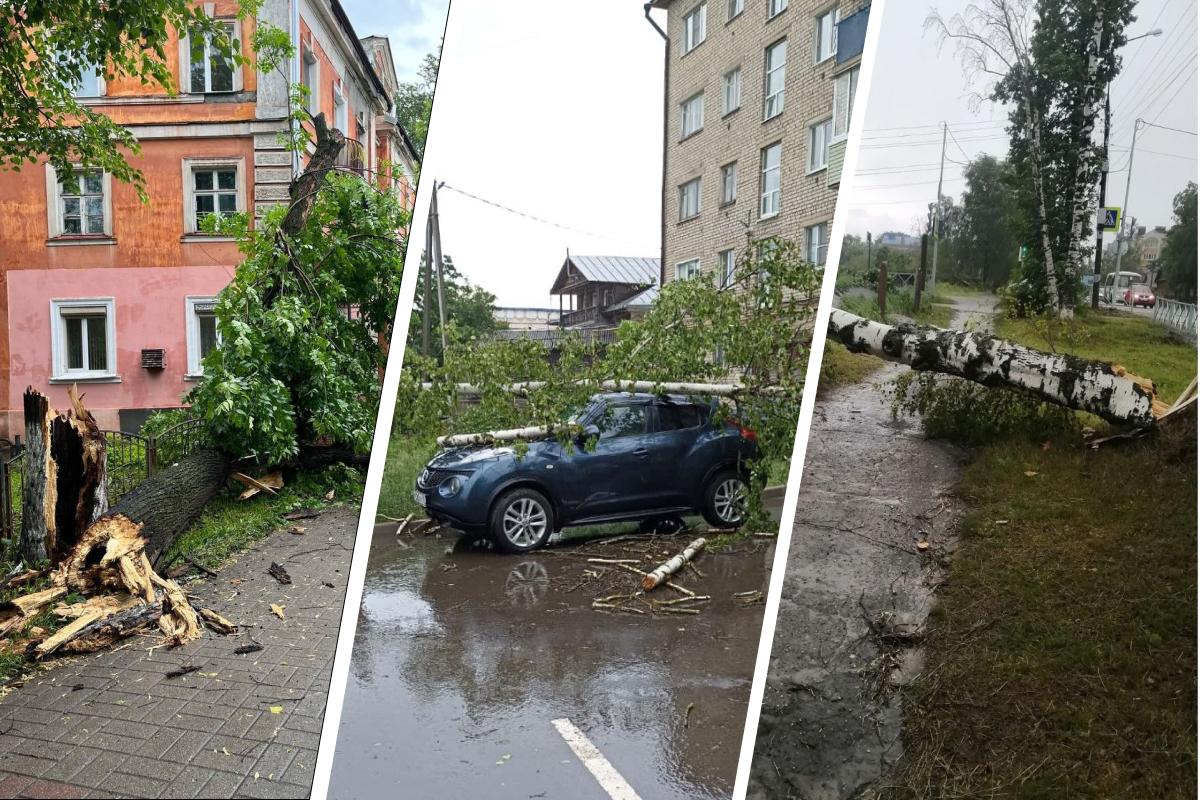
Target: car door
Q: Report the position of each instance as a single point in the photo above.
(612, 479)
(672, 433)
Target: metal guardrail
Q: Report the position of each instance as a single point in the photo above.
(1179, 317)
(130, 459)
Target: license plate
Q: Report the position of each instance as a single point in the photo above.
(419, 498)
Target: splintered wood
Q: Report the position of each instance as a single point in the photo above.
(631, 597)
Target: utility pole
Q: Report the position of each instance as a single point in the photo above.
(426, 302)
(1125, 209)
(937, 231)
(436, 254)
(1099, 265)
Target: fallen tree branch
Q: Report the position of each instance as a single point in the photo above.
(662, 572)
(1106, 390)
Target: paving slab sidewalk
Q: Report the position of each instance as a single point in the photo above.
(111, 724)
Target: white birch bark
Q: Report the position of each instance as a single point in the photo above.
(660, 573)
(532, 433)
(622, 385)
(1103, 389)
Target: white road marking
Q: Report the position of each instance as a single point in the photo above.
(604, 772)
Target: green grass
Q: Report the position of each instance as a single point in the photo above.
(1062, 657)
(229, 525)
(1136, 343)
(899, 304)
(840, 367)
(407, 455)
(947, 292)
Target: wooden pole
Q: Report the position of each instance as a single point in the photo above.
(881, 289)
(437, 259)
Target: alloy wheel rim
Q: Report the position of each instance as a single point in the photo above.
(524, 522)
(729, 500)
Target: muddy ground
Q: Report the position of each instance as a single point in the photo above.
(463, 658)
(874, 527)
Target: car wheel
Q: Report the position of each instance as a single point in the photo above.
(725, 500)
(521, 520)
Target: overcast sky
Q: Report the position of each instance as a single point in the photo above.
(917, 87)
(554, 110)
(413, 28)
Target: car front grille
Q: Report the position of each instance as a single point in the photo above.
(432, 478)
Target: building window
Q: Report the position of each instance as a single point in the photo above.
(817, 243)
(209, 69)
(341, 111)
(310, 78)
(731, 90)
(734, 8)
(845, 86)
(80, 203)
(818, 145)
(212, 186)
(90, 80)
(686, 270)
(83, 338)
(826, 44)
(776, 67)
(694, 28)
(202, 336)
(689, 199)
(729, 183)
(691, 115)
(769, 183)
(775, 7)
(727, 265)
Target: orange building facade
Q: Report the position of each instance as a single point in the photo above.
(102, 290)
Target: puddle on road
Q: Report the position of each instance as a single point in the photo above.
(462, 660)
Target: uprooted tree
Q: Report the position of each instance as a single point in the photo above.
(752, 329)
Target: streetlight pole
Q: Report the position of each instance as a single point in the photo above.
(1137, 124)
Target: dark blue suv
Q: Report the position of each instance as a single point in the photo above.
(654, 457)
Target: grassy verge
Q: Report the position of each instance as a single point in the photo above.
(899, 304)
(840, 367)
(405, 459)
(946, 292)
(1142, 347)
(229, 525)
(1062, 655)
(1062, 659)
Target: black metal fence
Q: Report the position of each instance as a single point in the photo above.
(130, 459)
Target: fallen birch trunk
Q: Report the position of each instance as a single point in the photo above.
(704, 389)
(529, 434)
(1103, 389)
(659, 574)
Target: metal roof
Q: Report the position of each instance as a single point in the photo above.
(643, 299)
(630, 270)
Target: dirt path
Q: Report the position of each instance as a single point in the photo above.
(113, 724)
(857, 583)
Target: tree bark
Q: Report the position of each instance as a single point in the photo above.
(1103, 389)
(660, 573)
(39, 482)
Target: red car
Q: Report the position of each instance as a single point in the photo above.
(1139, 294)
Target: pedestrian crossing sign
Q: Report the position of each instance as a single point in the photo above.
(1111, 221)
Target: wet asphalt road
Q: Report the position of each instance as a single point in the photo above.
(463, 659)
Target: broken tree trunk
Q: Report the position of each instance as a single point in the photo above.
(39, 482)
(529, 434)
(664, 571)
(702, 389)
(1103, 389)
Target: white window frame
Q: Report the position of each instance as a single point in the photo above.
(734, 9)
(190, 165)
(820, 53)
(845, 89)
(686, 270)
(726, 267)
(97, 70)
(820, 136)
(192, 304)
(54, 209)
(695, 27)
(59, 311)
(341, 110)
(731, 91)
(185, 62)
(773, 102)
(691, 109)
(776, 7)
(770, 200)
(684, 193)
(729, 183)
(822, 243)
(310, 76)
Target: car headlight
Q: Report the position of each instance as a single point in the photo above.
(451, 486)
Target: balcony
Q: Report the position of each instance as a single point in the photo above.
(353, 157)
(852, 35)
(583, 316)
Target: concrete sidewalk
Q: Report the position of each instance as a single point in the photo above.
(111, 724)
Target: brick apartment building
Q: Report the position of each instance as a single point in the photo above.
(758, 101)
(101, 290)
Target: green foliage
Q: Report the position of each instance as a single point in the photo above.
(414, 102)
(840, 367)
(755, 330)
(1178, 258)
(51, 45)
(988, 220)
(300, 356)
(469, 311)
